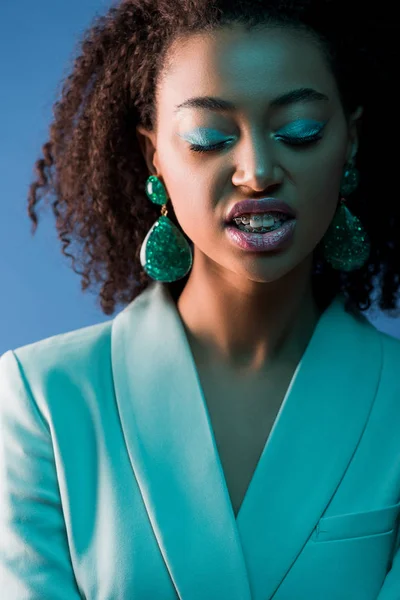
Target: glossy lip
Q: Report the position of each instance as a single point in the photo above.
(263, 205)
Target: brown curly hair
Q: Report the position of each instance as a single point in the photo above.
(94, 166)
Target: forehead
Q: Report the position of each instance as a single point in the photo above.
(244, 66)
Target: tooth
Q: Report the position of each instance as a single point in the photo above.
(256, 220)
(268, 221)
(262, 220)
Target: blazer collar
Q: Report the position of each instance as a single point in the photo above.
(174, 457)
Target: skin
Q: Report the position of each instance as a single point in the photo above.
(248, 312)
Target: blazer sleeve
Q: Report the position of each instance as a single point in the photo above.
(34, 556)
(390, 589)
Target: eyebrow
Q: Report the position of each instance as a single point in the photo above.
(219, 105)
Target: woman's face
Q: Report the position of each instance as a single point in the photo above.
(251, 71)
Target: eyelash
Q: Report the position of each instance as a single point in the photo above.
(291, 141)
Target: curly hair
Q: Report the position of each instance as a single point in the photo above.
(94, 166)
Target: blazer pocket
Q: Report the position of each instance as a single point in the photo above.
(360, 524)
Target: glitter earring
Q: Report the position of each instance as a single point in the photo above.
(165, 254)
(346, 244)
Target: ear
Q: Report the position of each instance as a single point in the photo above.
(147, 143)
(354, 125)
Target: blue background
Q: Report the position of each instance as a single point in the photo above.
(40, 295)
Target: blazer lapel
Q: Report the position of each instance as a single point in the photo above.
(175, 460)
(312, 442)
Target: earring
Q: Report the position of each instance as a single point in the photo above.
(165, 254)
(346, 244)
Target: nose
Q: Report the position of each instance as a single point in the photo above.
(257, 168)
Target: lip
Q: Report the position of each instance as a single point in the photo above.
(263, 205)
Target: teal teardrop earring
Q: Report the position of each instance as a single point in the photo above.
(165, 254)
(346, 244)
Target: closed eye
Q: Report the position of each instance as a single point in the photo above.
(291, 141)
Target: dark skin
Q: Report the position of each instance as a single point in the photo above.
(248, 312)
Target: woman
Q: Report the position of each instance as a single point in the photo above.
(233, 433)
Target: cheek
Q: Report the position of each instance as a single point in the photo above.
(318, 188)
(319, 179)
(192, 194)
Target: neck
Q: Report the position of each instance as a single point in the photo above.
(251, 327)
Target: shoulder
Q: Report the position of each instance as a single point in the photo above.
(71, 353)
(380, 350)
(55, 379)
(390, 354)
(390, 345)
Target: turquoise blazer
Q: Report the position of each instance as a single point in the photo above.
(111, 486)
